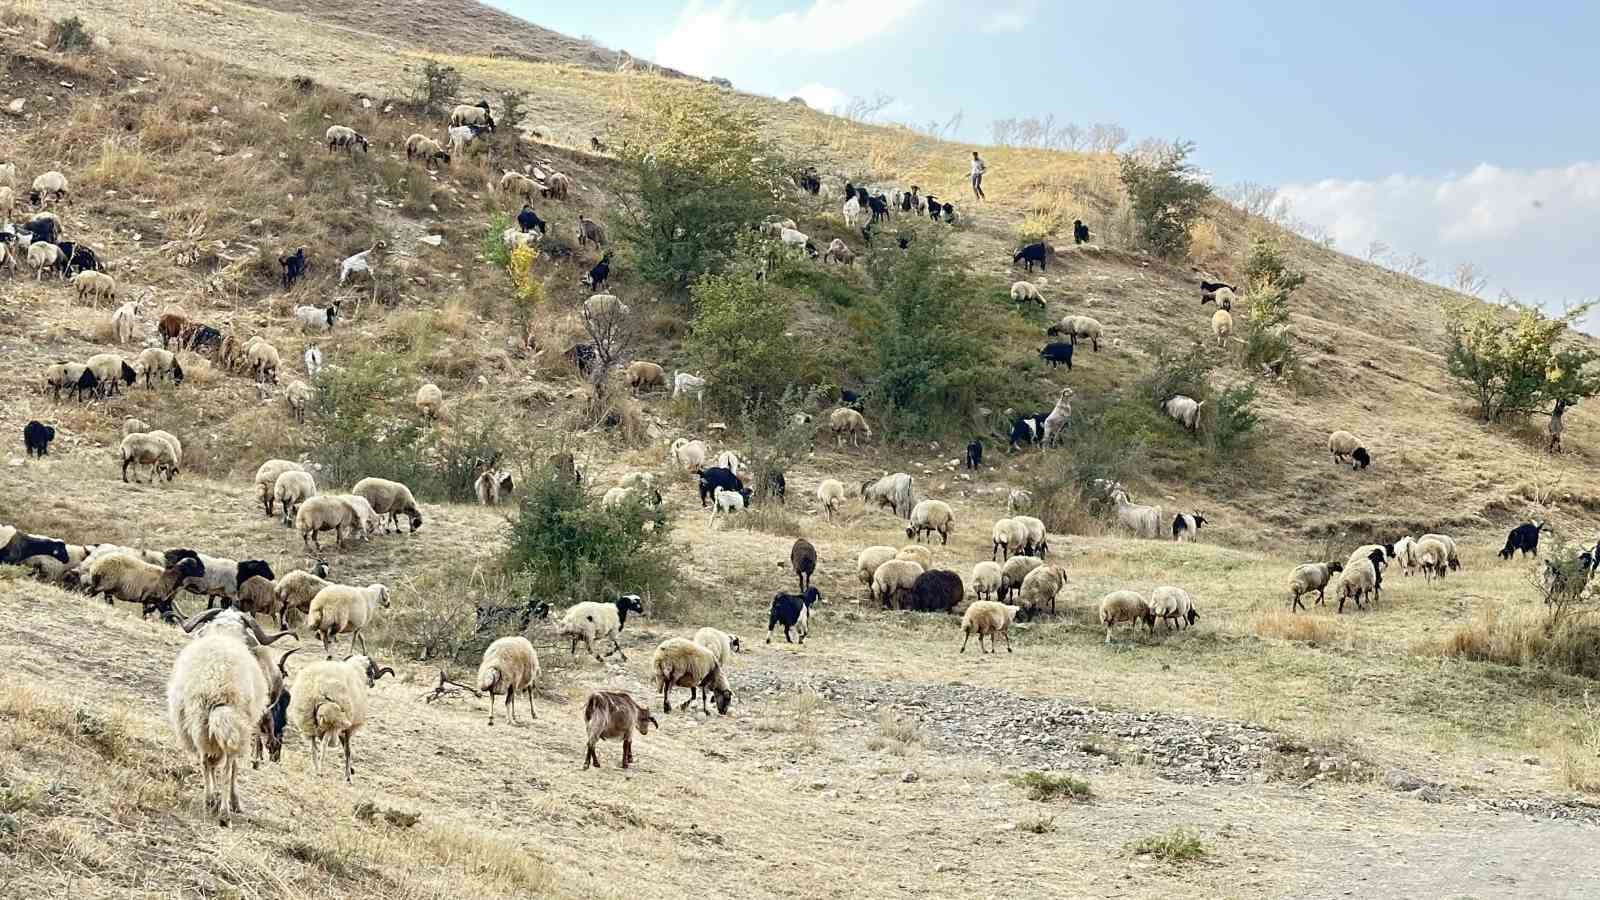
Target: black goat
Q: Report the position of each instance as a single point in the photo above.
(1524, 538)
(974, 454)
(880, 208)
(1057, 353)
(1027, 428)
(596, 279)
(719, 477)
(528, 220)
(294, 266)
(1034, 253)
(792, 611)
(1080, 232)
(36, 437)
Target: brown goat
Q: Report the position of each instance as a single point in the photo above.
(611, 715)
(171, 326)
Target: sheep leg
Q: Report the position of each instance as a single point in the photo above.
(617, 648)
(531, 712)
(1007, 634)
(666, 696)
(590, 757)
(349, 771)
(233, 786)
(627, 750)
(358, 636)
(692, 691)
(511, 705)
(491, 709)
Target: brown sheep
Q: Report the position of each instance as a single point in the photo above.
(611, 715)
(641, 374)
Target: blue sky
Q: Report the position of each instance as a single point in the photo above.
(1461, 131)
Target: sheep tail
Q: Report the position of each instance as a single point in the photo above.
(227, 729)
(330, 716)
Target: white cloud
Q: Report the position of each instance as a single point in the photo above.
(820, 97)
(714, 38)
(1532, 231)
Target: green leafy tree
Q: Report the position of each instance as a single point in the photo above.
(737, 340)
(1269, 284)
(434, 86)
(1515, 365)
(1167, 196)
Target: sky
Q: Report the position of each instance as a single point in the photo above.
(1458, 131)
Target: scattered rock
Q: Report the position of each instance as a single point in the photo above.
(432, 240)
(15, 107)
(909, 777)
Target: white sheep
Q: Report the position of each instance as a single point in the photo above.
(985, 580)
(1222, 325)
(892, 491)
(678, 662)
(1037, 538)
(894, 580)
(148, 450)
(916, 553)
(315, 319)
(1360, 579)
(590, 621)
(158, 364)
(1449, 546)
(601, 307)
(1173, 605)
(1041, 586)
(96, 284)
(120, 574)
(294, 592)
(721, 644)
(518, 184)
(1007, 537)
(390, 498)
(509, 665)
(1024, 292)
(267, 477)
(328, 700)
(1014, 572)
(1342, 444)
(41, 256)
(691, 455)
(930, 516)
(1086, 328)
(729, 460)
(112, 371)
(297, 396)
(323, 513)
(366, 517)
(343, 137)
(420, 145)
(986, 617)
(472, 115)
(340, 608)
(830, 497)
(685, 384)
(1018, 499)
(1143, 521)
(641, 374)
(1126, 606)
(846, 421)
(1405, 552)
(264, 361)
(1308, 577)
(1184, 410)
(293, 487)
(430, 400)
(868, 561)
(1433, 557)
(52, 185)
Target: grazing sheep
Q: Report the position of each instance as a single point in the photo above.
(931, 516)
(343, 137)
(108, 369)
(390, 498)
(679, 662)
(1143, 521)
(477, 114)
(988, 618)
(803, 559)
(1085, 328)
(1186, 526)
(293, 487)
(830, 497)
(264, 361)
(492, 485)
(36, 438)
(721, 644)
(520, 185)
(339, 609)
(1008, 537)
(868, 561)
(1523, 538)
(1222, 325)
(1014, 572)
(430, 400)
(96, 284)
(329, 699)
(1126, 606)
(148, 450)
(893, 582)
(426, 148)
(320, 513)
(509, 665)
(1449, 546)
(1040, 586)
(590, 621)
(839, 251)
(610, 715)
(557, 186)
(892, 491)
(157, 363)
(1433, 557)
(1024, 292)
(1037, 538)
(1173, 605)
(684, 384)
(269, 732)
(937, 590)
(42, 256)
(221, 578)
(792, 611)
(1360, 579)
(843, 421)
(215, 699)
(1308, 577)
(77, 378)
(1342, 444)
(641, 375)
(267, 477)
(123, 576)
(1184, 410)
(52, 185)
(295, 590)
(985, 579)
(298, 396)
(316, 319)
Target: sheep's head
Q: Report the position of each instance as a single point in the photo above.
(630, 603)
(319, 568)
(733, 642)
(1192, 616)
(381, 593)
(645, 720)
(723, 700)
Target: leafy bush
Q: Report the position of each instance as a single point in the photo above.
(737, 340)
(69, 35)
(1180, 845)
(1234, 422)
(1051, 786)
(1166, 195)
(1268, 343)
(494, 245)
(1176, 372)
(572, 549)
(435, 86)
(525, 283)
(1109, 442)
(1513, 367)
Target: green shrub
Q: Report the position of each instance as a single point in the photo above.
(1108, 440)
(1268, 342)
(1233, 424)
(494, 245)
(1167, 197)
(738, 342)
(435, 87)
(69, 35)
(1052, 786)
(1175, 847)
(571, 549)
(1515, 366)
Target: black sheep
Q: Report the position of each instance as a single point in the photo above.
(294, 266)
(792, 611)
(1080, 232)
(1057, 353)
(1034, 253)
(719, 477)
(803, 558)
(528, 220)
(596, 279)
(974, 454)
(86, 382)
(23, 546)
(1360, 458)
(1524, 538)
(36, 437)
(937, 590)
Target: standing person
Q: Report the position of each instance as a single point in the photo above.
(978, 168)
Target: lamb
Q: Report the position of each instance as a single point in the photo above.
(430, 400)
(985, 579)
(1040, 586)
(590, 231)
(868, 561)
(317, 514)
(42, 256)
(267, 477)
(1173, 605)
(1014, 572)
(1126, 606)
(683, 663)
(1524, 538)
(343, 137)
(1222, 325)
(685, 384)
(156, 363)
(293, 487)
(1342, 444)
(987, 618)
(36, 438)
(590, 621)
(609, 715)
(793, 611)
(892, 491)
(316, 319)
(477, 114)
(77, 378)
(215, 699)
(297, 396)
(931, 516)
(839, 251)
(329, 699)
(803, 559)
(894, 581)
(937, 590)
(148, 450)
(338, 609)
(1033, 253)
(123, 576)
(52, 185)
(295, 591)
(1143, 521)
(509, 665)
(108, 368)
(390, 498)
(1186, 526)
(641, 375)
(96, 284)
(1023, 292)
(264, 361)
(725, 501)
(1309, 577)
(428, 149)
(1037, 539)
(843, 421)
(1360, 579)
(1184, 410)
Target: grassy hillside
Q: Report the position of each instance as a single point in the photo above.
(1289, 746)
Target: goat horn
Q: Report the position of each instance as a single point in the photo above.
(264, 638)
(283, 659)
(200, 618)
(384, 671)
